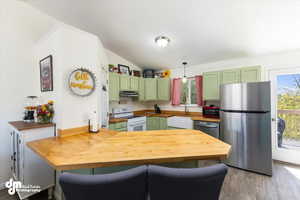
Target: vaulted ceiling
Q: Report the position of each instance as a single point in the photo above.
(201, 31)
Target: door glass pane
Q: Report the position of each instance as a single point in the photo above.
(288, 110)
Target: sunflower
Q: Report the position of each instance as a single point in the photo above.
(166, 73)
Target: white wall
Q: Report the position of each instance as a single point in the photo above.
(124, 102)
(268, 62)
(72, 48)
(21, 27)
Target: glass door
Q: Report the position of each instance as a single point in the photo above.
(285, 92)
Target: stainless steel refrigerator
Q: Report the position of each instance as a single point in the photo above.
(246, 125)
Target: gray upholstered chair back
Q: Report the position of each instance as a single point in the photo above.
(186, 184)
(130, 184)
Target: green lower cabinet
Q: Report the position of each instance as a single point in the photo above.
(81, 171)
(163, 123)
(108, 170)
(173, 128)
(121, 126)
(152, 123)
(157, 123)
(251, 74)
(184, 164)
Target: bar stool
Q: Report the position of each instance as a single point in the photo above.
(180, 184)
(130, 184)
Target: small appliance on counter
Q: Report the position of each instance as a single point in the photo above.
(30, 109)
(211, 111)
(157, 109)
(93, 123)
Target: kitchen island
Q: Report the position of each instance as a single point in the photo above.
(110, 148)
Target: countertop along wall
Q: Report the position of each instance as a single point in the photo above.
(21, 27)
(125, 102)
(267, 62)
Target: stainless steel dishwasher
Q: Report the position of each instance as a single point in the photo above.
(210, 128)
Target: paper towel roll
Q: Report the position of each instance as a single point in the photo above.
(94, 122)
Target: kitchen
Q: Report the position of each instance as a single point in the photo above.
(93, 112)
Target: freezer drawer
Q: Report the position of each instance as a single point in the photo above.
(250, 137)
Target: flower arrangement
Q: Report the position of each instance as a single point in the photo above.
(45, 113)
(166, 73)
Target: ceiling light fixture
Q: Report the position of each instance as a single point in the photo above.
(162, 41)
(184, 79)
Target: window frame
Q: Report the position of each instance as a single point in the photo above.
(189, 79)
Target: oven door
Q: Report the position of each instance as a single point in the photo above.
(136, 127)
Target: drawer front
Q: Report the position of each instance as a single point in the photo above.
(121, 125)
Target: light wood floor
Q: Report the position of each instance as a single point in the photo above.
(243, 185)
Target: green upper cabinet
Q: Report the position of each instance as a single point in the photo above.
(124, 82)
(129, 83)
(114, 86)
(231, 76)
(150, 89)
(134, 83)
(163, 89)
(211, 85)
(141, 89)
(251, 74)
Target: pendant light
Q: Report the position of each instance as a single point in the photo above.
(184, 79)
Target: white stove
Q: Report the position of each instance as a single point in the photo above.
(134, 123)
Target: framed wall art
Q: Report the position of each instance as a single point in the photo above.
(46, 74)
(123, 69)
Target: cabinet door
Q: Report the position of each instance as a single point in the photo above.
(141, 89)
(163, 89)
(231, 76)
(124, 82)
(150, 89)
(112, 126)
(114, 86)
(163, 125)
(251, 74)
(150, 123)
(134, 83)
(211, 85)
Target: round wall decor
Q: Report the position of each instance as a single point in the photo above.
(82, 82)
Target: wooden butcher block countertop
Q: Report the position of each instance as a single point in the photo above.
(111, 148)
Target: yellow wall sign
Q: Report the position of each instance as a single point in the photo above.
(82, 82)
